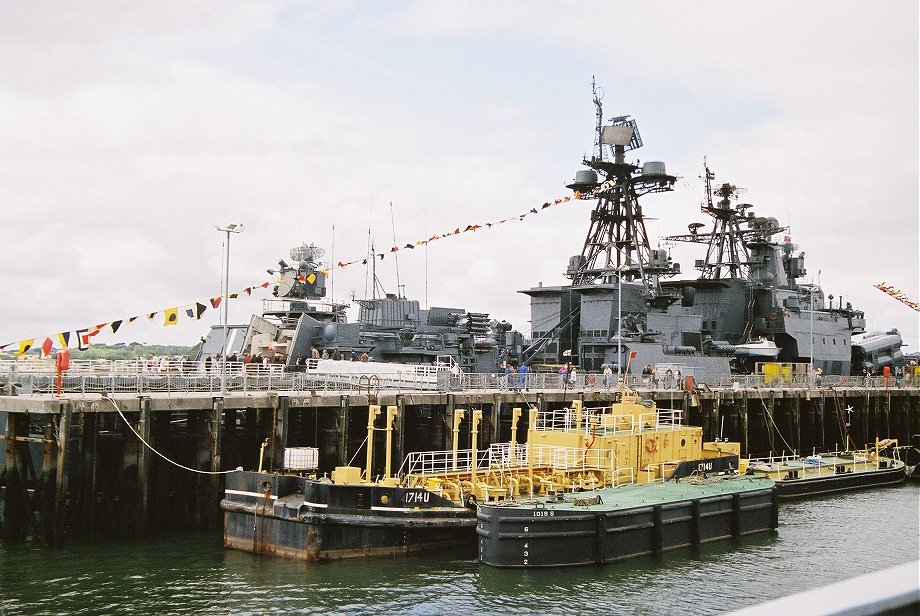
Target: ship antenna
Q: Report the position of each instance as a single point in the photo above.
(426, 257)
(598, 96)
(332, 256)
(399, 288)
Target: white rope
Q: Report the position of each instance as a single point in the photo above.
(778, 431)
(361, 446)
(149, 446)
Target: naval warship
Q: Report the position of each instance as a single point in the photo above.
(299, 322)
(749, 303)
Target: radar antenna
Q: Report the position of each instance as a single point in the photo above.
(617, 240)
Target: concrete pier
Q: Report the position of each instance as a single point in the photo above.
(71, 466)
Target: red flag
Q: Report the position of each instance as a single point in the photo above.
(632, 354)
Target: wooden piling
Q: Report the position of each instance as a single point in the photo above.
(279, 437)
(87, 474)
(17, 506)
(144, 429)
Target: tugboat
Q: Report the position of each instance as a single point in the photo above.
(798, 477)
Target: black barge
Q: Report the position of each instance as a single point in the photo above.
(612, 524)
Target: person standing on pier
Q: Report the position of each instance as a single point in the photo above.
(523, 369)
(647, 374)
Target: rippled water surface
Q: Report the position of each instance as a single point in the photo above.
(820, 541)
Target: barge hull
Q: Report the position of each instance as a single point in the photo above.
(789, 489)
(526, 537)
(304, 519)
(264, 534)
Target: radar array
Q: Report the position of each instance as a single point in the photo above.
(617, 240)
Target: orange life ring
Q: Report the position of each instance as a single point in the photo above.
(651, 445)
(773, 315)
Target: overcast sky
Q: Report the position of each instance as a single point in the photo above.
(128, 130)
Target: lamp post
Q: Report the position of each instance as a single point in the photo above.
(619, 324)
(811, 336)
(231, 228)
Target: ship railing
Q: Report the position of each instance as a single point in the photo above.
(624, 476)
(808, 381)
(295, 305)
(561, 420)
(507, 455)
(532, 381)
(571, 458)
(166, 374)
(135, 377)
(597, 421)
(817, 461)
(669, 417)
(444, 462)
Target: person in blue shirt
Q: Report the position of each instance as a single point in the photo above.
(523, 369)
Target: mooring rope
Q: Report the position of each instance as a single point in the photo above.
(778, 431)
(238, 469)
(360, 447)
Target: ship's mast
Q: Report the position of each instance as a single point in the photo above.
(617, 240)
(728, 244)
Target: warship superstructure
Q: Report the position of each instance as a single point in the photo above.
(391, 328)
(748, 299)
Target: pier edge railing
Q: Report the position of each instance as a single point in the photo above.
(141, 377)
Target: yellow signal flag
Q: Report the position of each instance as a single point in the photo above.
(170, 316)
(25, 345)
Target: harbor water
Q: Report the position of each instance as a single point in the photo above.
(820, 541)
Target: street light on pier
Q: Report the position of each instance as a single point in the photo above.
(620, 271)
(225, 295)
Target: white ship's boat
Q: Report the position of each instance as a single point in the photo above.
(759, 349)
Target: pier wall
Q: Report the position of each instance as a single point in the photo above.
(72, 466)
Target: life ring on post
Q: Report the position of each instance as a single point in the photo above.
(773, 315)
(651, 445)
